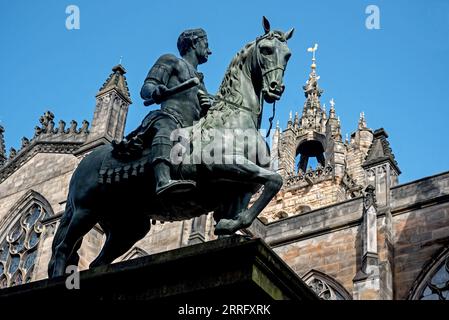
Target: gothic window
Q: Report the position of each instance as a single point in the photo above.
(325, 287)
(433, 283)
(18, 245)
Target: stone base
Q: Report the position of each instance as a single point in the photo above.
(230, 269)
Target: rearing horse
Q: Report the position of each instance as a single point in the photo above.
(229, 133)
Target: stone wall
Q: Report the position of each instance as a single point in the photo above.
(421, 228)
(47, 174)
(325, 240)
(295, 201)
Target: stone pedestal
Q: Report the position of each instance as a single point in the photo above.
(227, 269)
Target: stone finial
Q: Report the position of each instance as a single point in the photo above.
(61, 127)
(37, 131)
(25, 142)
(84, 127)
(47, 123)
(370, 197)
(332, 109)
(12, 153)
(73, 125)
(296, 121)
(362, 121)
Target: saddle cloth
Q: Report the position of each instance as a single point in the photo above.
(114, 170)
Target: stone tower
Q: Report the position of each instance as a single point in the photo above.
(344, 168)
(112, 102)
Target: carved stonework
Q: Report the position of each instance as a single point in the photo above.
(370, 197)
(18, 250)
(433, 283)
(352, 188)
(438, 286)
(23, 156)
(310, 177)
(325, 287)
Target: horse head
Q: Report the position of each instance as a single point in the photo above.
(271, 56)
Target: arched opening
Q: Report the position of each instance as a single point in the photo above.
(433, 282)
(309, 154)
(20, 235)
(326, 287)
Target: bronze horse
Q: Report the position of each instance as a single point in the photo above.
(125, 210)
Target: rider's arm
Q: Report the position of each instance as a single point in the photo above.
(203, 97)
(158, 77)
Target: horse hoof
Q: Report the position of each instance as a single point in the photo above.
(227, 226)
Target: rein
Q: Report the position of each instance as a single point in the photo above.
(239, 106)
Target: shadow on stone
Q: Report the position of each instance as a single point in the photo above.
(227, 269)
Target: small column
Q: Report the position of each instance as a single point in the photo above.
(198, 232)
(367, 280)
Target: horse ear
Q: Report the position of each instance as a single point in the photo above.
(289, 33)
(266, 24)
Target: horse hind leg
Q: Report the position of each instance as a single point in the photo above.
(68, 238)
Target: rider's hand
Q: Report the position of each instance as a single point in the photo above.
(158, 94)
(204, 100)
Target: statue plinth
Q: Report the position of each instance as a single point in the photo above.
(232, 268)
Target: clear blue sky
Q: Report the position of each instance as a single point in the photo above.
(397, 75)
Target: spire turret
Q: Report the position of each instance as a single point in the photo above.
(311, 140)
(111, 110)
(117, 81)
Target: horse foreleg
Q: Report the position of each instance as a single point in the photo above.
(69, 237)
(249, 172)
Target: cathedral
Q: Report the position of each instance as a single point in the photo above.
(342, 223)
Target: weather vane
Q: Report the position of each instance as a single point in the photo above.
(313, 50)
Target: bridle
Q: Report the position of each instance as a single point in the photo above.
(259, 65)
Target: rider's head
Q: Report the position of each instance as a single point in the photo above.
(194, 39)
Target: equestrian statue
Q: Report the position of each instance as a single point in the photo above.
(197, 154)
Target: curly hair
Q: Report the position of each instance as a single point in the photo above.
(188, 38)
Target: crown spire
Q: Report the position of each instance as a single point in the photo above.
(311, 89)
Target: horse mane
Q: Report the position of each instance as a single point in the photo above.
(230, 86)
